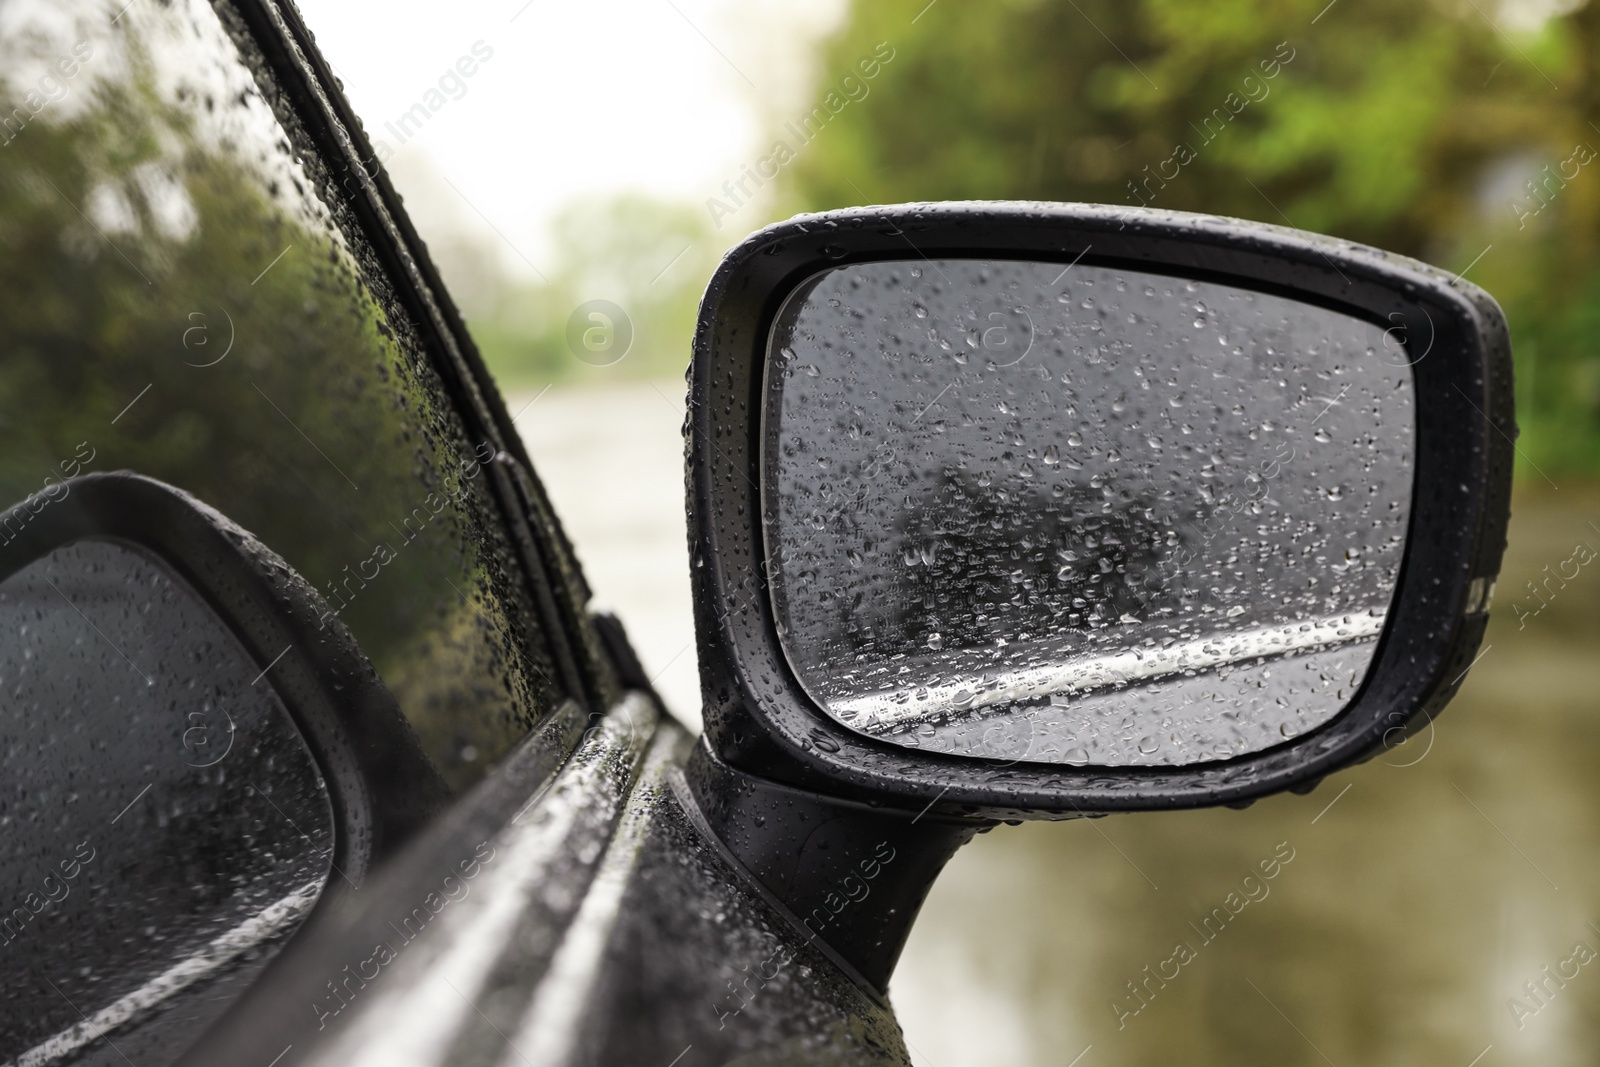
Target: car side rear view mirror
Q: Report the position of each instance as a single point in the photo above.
(1020, 510)
(196, 755)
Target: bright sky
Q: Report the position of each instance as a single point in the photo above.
(572, 99)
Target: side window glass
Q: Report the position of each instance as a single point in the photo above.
(181, 297)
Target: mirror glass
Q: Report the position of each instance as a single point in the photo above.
(1080, 514)
(163, 826)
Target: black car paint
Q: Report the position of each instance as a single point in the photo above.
(636, 941)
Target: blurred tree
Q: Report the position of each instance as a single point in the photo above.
(650, 257)
(1418, 126)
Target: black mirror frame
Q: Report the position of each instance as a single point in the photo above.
(759, 719)
(381, 785)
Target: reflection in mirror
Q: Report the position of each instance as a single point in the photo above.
(1076, 514)
(165, 825)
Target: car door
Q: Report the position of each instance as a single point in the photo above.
(209, 287)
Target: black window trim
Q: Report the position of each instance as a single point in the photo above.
(313, 97)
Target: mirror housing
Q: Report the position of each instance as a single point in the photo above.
(759, 717)
(382, 786)
(185, 708)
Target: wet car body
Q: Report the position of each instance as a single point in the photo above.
(526, 860)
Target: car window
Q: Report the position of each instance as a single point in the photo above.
(183, 294)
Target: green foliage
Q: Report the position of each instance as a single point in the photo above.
(1414, 126)
(90, 321)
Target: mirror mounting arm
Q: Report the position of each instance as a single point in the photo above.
(849, 876)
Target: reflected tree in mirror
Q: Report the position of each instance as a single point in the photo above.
(165, 826)
(1079, 514)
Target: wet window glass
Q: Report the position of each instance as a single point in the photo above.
(1079, 514)
(181, 295)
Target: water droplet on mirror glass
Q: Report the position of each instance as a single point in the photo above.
(1177, 596)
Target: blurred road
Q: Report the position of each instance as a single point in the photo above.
(1426, 889)
(612, 461)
